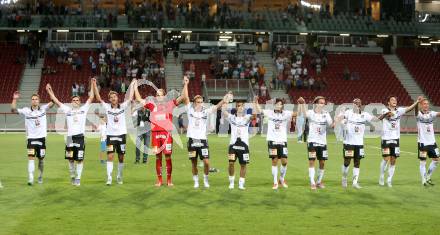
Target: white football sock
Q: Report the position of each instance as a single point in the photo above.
(241, 181)
(31, 169)
(71, 169)
(383, 166)
(109, 169)
(275, 174)
(196, 178)
(391, 170)
(355, 175)
(205, 178)
(320, 175)
(423, 170)
(432, 168)
(283, 171)
(120, 168)
(312, 175)
(231, 179)
(345, 171)
(79, 169)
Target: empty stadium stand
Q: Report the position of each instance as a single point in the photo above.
(376, 82)
(11, 70)
(424, 66)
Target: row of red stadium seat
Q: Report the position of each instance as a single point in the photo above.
(424, 66)
(377, 81)
(10, 69)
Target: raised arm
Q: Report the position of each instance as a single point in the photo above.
(225, 100)
(52, 95)
(95, 90)
(137, 95)
(91, 92)
(185, 91)
(257, 105)
(184, 94)
(302, 107)
(131, 90)
(15, 97)
(413, 106)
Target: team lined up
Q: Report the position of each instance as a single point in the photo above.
(353, 120)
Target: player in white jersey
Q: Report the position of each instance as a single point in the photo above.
(76, 117)
(36, 132)
(278, 120)
(116, 129)
(318, 119)
(197, 138)
(239, 143)
(391, 137)
(426, 141)
(354, 120)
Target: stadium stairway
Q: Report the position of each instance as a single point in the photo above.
(265, 58)
(404, 76)
(173, 74)
(30, 81)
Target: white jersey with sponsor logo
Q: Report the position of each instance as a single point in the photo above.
(277, 125)
(425, 127)
(318, 126)
(239, 128)
(116, 119)
(76, 119)
(198, 122)
(391, 125)
(35, 121)
(355, 126)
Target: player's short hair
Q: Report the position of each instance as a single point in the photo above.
(237, 102)
(391, 96)
(75, 96)
(197, 97)
(317, 98)
(35, 95)
(279, 100)
(112, 93)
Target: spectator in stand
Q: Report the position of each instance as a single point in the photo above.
(346, 74)
(75, 89)
(203, 79)
(311, 83)
(81, 90)
(263, 90)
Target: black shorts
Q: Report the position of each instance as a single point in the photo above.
(390, 148)
(430, 151)
(36, 147)
(116, 144)
(317, 151)
(239, 150)
(353, 151)
(198, 148)
(277, 149)
(75, 148)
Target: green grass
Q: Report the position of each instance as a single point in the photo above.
(137, 207)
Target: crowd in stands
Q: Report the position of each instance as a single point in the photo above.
(244, 66)
(153, 14)
(59, 15)
(15, 17)
(292, 68)
(115, 65)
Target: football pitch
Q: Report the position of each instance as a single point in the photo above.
(137, 207)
